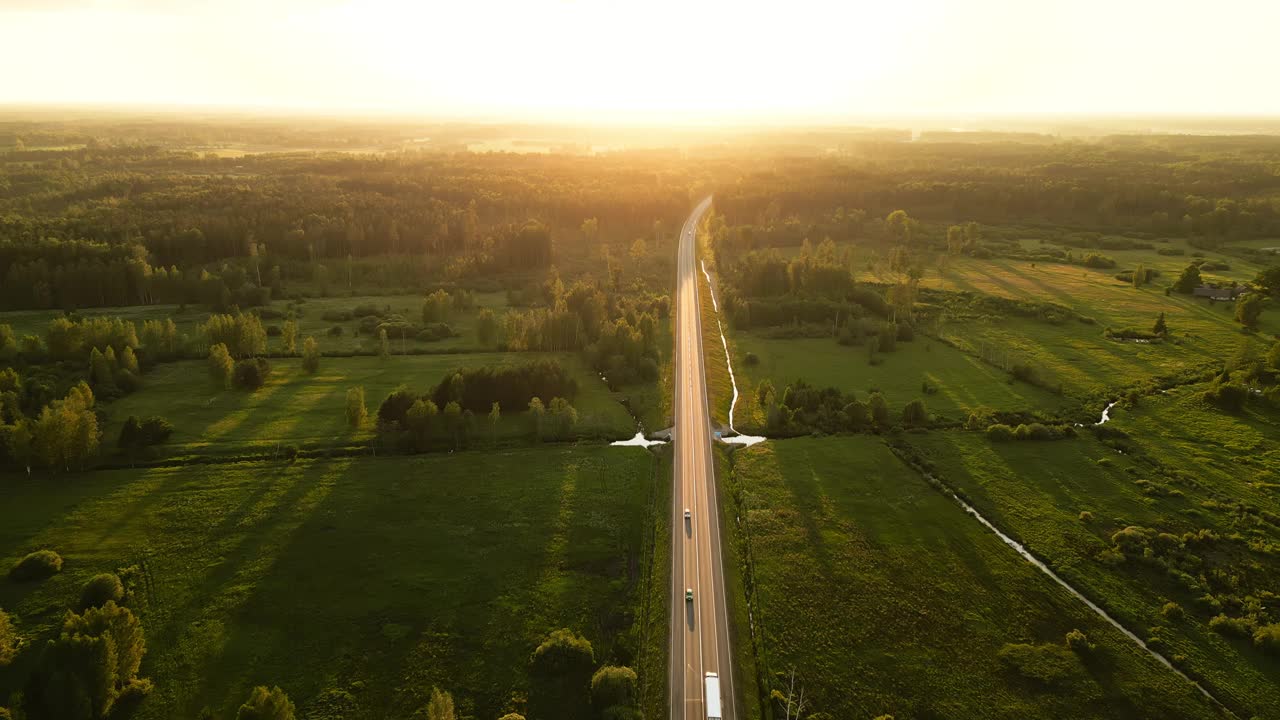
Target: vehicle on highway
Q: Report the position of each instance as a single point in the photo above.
(713, 696)
(688, 594)
(687, 514)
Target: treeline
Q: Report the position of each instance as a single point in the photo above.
(802, 409)
(87, 234)
(1169, 186)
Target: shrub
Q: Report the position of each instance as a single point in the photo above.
(1097, 260)
(999, 432)
(337, 316)
(1267, 637)
(1172, 611)
(1231, 626)
(915, 414)
(433, 332)
(1086, 516)
(310, 355)
(264, 704)
(1078, 642)
(1228, 396)
(100, 589)
(251, 373)
(612, 686)
(36, 566)
(751, 359)
(1047, 664)
(335, 331)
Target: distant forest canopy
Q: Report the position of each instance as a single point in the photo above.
(139, 217)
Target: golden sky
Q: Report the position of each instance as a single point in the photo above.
(619, 60)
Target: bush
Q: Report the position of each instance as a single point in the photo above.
(435, 331)
(1096, 260)
(335, 331)
(337, 316)
(1226, 625)
(1086, 516)
(251, 373)
(1078, 642)
(99, 589)
(512, 386)
(999, 432)
(1228, 396)
(1267, 637)
(612, 686)
(751, 359)
(264, 704)
(1047, 664)
(36, 566)
(1172, 611)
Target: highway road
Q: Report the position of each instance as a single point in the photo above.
(699, 629)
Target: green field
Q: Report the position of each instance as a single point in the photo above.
(309, 410)
(885, 597)
(963, 381)
(310, 320)
(379, 577)
(1222, 473)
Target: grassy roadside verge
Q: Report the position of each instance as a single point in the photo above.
(719, 385)
(653, 649)
(738, 574)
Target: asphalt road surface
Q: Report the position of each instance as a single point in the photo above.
(699, 629)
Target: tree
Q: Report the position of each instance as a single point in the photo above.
(93, 661)
(900, 227)
(310, 355)
(955, 240)
(486, 328)
(66, 431)
(495, 415)
(1273, 356)
(129, 361)
(1249, 309)
(1268, 279)
(639, 251)
(1160, 329)
(454, 424)
(560, 670)
(384, 345)
(1139, 276)
(1189, 280)
(440, 706)
(538, 411)
(356, 410)
(914, 414)
(101, 589)
(419, 419)
(879, 409)
(614, 686)
(563, 417)
(221, 366)
(289, 336)
(264, 704)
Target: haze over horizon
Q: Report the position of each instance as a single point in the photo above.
(646, 62)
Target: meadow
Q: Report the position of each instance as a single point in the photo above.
(1173, 465)
(963, 382)
(884, 597)
(309, 314)
(356, 585)
(308, 411)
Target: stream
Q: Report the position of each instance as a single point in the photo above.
(736, 438)
(1026, 555)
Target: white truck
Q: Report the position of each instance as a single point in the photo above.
(713, 697)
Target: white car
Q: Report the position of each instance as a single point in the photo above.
(687, 514)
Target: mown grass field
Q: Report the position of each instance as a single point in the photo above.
(886, 598)
(295, 408)
(1037, 491)
(378, 578)
(963, 381)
